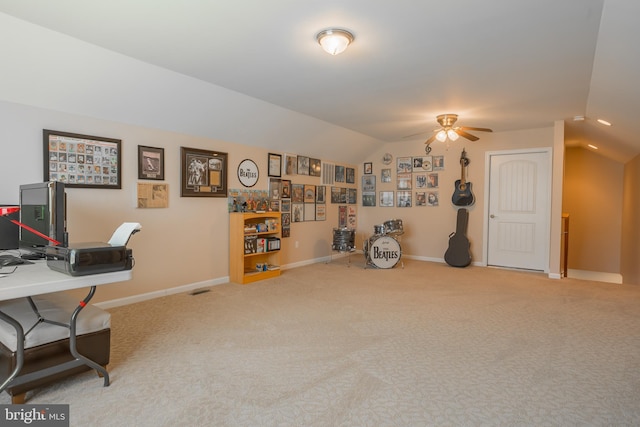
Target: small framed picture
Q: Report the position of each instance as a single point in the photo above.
(286, 188)
(290, 164)
(403, 199)
(368, 168)
(275, 165)
(303, 165)
(385, 175)
(315, 167)
(404, 165)
(150, 163)
(351, 175)
(386, 198)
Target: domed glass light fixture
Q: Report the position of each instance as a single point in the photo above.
(334, 41)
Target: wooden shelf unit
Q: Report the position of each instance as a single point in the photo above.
(242, 265)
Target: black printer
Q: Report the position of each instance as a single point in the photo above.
(81, 259)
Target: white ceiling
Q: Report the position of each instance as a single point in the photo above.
(501, 64)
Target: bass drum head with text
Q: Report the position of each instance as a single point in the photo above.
(384, 251)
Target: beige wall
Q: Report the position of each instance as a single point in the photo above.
(629, 265)
(427, 229)
(184, 245)
(593, 199)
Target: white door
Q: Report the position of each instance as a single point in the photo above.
(519, 210)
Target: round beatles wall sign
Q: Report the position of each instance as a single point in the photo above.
(248, 173)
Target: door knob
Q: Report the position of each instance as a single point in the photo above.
(492, 216)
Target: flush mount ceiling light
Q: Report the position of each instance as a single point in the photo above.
(334, 40)
(604, 122)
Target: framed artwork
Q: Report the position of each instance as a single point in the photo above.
(432, 198)
(386, 198)
(342, 216)
(152, 195)
(303, 165)
(369, 183)
(321, 194)
(351, 175)
(150, 163)
(368, 198)
(420, 180)
(339, 177)
(315, 167)
(438, 163)
(274, 206)
(335, 194)
(248, 173)
(286, 218)
(203, 173)
(385, 175)
(290, 164)
(82, 160)
(297, 193)
(275, 188)
(404, 165)
(424, 163)
(352, 196)
(432, 180)
(368, 168)
(404, 181)
(309, 212)
(286, 188)
(309, 193)
(275, 165)
(421, 198)
(297, 211)
(321, 212)
(285, 205)
(404, 199)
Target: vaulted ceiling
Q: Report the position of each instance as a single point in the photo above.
(501, 64)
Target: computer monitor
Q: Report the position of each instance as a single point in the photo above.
(9, 232)
(43, 208)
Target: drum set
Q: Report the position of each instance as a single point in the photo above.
(382, 250)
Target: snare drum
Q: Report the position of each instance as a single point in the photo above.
(343, 239)
(393, 227)
(382, 251)
(378, 230)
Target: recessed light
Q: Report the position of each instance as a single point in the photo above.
(578, 118)
(604, 122)
(592, 146)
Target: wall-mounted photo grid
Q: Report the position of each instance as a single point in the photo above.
(416, 183)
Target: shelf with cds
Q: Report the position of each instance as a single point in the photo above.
(254, 246)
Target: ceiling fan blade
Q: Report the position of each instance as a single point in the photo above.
(416, 134)
(466, 135)
(431, 139)
(476, 129)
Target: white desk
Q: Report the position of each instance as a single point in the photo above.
(36, 279)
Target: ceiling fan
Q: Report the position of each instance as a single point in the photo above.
(448, 130)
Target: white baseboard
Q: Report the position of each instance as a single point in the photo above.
(163, 293)
(597, 276)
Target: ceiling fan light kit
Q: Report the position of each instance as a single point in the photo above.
(448, 132)
(334, 41)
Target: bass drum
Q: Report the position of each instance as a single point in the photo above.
(383, 251)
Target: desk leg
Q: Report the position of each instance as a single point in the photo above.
(72, 339)
(19, 349)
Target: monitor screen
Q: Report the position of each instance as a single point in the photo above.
(43, 208)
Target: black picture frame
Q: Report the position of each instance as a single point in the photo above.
(368, 168)
(150, 163)
(83, 161)
(274, 165)
(203, 173)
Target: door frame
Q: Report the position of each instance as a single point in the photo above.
(487, 189)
